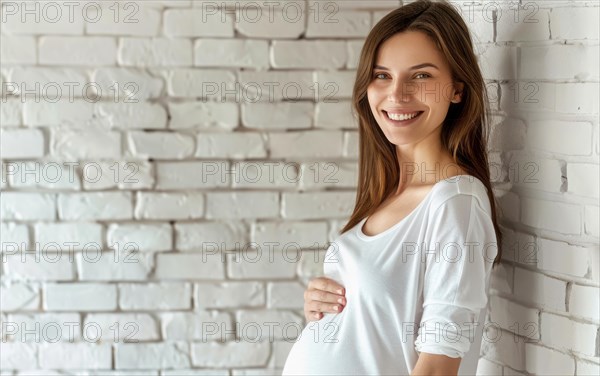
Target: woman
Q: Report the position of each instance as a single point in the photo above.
(412, 265)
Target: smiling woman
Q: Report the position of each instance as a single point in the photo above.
(416, 255)
(420, 93)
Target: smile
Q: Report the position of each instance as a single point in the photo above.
(402, 117)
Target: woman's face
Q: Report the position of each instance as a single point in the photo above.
(411, 82)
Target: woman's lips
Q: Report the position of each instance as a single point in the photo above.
(403, 121)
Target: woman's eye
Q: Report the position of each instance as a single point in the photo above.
(422, 74)
(379, 74)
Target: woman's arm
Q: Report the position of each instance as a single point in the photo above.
(436, 365)
(454, 284)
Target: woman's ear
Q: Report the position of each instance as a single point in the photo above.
(458, 90)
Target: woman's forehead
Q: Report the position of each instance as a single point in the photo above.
(408, 49)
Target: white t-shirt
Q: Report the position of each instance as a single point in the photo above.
(419, 286)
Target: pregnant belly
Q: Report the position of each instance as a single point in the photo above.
(352, 342)
(321, 349)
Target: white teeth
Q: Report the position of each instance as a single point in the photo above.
(402, 117)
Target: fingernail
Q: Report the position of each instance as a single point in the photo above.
(336, 308)
(341, 291)
(341, 301)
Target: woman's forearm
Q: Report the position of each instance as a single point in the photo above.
(436, 365)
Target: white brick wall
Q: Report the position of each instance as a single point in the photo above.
(151, 158)
(551, 243)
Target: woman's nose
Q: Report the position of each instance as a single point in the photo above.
(401, 91)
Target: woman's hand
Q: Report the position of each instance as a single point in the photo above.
(322, 295)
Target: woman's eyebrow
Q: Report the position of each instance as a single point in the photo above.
(419, 66)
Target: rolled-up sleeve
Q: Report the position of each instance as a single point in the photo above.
(460, 248)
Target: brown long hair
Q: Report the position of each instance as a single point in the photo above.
(465, 129)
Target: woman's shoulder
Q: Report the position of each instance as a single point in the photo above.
(460, 185)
